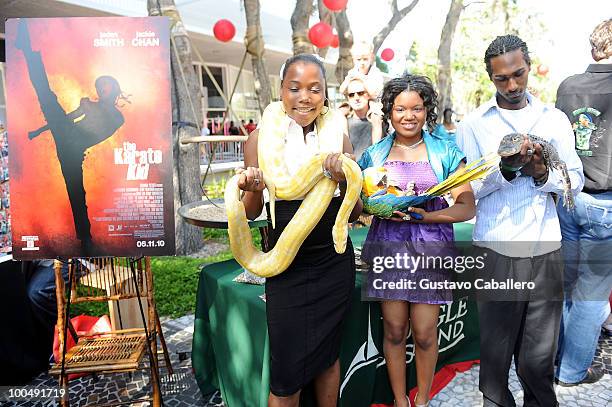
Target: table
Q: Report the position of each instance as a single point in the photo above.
(230, 342)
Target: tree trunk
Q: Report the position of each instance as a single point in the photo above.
(299, 26)
(397, 16)
(255, 47)
(185, 108)
(345, 35)
(325, 16)
(503, 8)
(444, 56)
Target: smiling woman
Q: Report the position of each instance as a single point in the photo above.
(413, 160)
(303, 92)
(306, 303)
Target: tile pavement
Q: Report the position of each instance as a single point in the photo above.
(463, 390)
(181, 390)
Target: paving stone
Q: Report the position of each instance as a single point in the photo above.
(463, 389)
(180, 389)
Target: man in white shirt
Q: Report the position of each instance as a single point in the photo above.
(517, 228)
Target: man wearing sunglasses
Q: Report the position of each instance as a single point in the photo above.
(363, 126)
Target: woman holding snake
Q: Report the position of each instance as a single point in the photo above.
(414, 159)
(306, 304)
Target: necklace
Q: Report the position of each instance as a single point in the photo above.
(410, 147)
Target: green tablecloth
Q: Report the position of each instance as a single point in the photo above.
(230, 342)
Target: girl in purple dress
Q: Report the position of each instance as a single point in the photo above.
(416, 159)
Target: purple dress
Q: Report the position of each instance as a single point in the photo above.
(406, 242)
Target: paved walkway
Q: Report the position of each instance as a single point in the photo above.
(181, 390)
(463, 390)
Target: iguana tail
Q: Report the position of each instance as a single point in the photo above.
(568, 197)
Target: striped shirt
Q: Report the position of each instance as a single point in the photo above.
(517, 210)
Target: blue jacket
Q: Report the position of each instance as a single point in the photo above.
(443, 154)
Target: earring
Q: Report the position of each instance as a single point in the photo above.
(325, 108)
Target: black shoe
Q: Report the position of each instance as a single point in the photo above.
(593, 375)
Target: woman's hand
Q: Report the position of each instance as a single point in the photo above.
(332, 167)
(416, 215)
(251, 179)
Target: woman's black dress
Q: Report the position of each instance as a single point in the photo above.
(307, 303)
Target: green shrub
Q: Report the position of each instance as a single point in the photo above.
(175, 278)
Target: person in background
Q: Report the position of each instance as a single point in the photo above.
(364, 63)
(306, 304)
(517, 229)
(205, 129)
(447, 128)
(27, 295)
(250, 126)
(233, 129)
(363, 127)
(586, 99)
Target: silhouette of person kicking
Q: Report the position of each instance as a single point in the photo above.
(97, 122)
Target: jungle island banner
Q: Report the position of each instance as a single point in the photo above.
(89, 131)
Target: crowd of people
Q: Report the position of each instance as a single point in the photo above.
(551, 332)
(220, 126)
(520, 227)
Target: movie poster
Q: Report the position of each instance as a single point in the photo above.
(90, 137)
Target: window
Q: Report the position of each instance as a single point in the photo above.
(215, 100)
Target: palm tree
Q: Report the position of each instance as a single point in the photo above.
(444, 56)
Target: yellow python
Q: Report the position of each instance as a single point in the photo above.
(309, 183)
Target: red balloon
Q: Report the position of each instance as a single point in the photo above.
(335, 42)
(387, 54)
(335, 5)
(320, 34)
(542, 69)
(224, 30)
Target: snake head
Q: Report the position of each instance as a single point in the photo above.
(510, 144)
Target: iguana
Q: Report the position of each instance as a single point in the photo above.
(511, 145)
